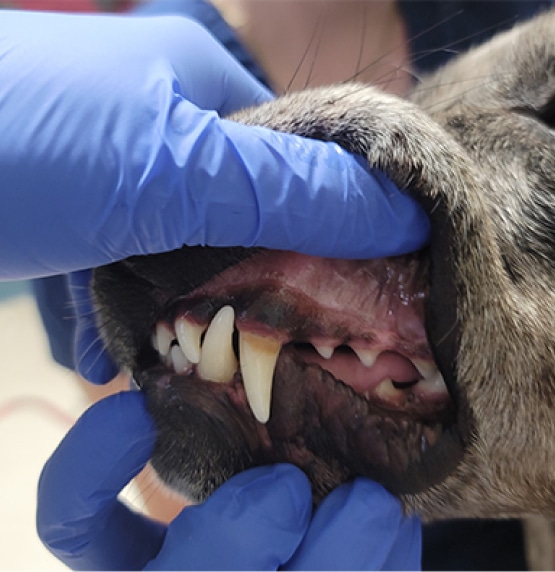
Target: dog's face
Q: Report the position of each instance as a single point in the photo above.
(433, 373)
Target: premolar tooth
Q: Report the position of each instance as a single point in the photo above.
(180, 363)
(433, 384)
(425, 368)
(164, 337)
(188, 336)
(217, 360)
(258, 356)
(325, 351)
(385, 389)
(367, 357)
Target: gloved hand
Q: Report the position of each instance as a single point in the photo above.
(260, 519)
(108, 150)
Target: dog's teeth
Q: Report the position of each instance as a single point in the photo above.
(433, 384)
(325, 351)
(386, 389)
(180, 363)
(164, 337)
(217, 360)
(425, 368)
(188, 336)
(258, 356)
(367, 357)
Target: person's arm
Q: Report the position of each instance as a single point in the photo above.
(113, 145)
(259, 520)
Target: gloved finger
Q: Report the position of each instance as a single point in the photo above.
(295, 194)
(214, 81)
(358, 527)
(78, 515)
(406, 551)
(255, 521)
(92, 360)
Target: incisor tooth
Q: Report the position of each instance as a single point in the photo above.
(367, 357)
(180, 363)
(188, 336)
(217, 360)
(164, 337)
(258, 356)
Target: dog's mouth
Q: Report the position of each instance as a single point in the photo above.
(288, 358)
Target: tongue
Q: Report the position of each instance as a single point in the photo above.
(345, 366)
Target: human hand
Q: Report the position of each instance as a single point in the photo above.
(260, 519)
(110, 149)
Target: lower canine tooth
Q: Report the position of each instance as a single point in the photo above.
(258, 356)
(217, 360)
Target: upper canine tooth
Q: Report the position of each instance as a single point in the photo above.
(258, 356)
(217, 360)
(164, 337)
(188, 336)
(367, 357)
(325, 351)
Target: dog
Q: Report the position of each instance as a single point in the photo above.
(432, 373)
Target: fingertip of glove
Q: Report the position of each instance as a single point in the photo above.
(375, 497)
(281, 492)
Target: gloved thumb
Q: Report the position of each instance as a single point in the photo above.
(255, 521)
(79, 517)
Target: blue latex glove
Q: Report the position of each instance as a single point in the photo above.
(107, 151)
(260, 519)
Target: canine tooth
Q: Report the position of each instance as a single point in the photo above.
(217, 360)
(433, 384)
(180, 363)
(258, 356)
(367, 357)
(325, 351)
(188, 336)
(164, 337)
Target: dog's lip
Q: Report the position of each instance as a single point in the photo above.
(398, 445)
(267, 316)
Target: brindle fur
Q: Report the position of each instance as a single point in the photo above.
(476, 147)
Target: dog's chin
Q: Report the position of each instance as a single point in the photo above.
(287, 358)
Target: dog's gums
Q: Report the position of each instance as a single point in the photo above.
(433, 373)
(295, 347)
